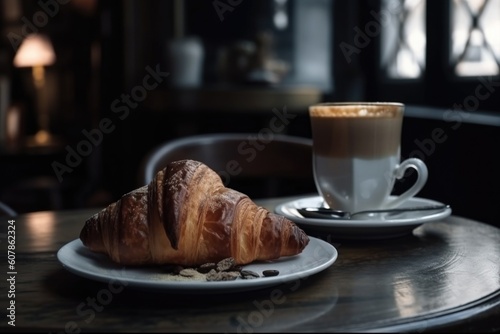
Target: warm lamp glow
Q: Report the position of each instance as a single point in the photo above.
(35, 50)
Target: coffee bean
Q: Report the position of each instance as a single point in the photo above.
(269, 273)
(248, 274)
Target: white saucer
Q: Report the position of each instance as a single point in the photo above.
(380, 226)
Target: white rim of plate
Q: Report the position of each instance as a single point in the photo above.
(68, 257)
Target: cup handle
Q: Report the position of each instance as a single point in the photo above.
(421, 169)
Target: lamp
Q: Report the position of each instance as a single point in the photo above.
(36, 52)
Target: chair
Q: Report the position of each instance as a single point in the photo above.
(259, 165)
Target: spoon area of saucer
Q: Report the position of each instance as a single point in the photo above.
(327, 213)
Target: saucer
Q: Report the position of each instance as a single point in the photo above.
(378, 226)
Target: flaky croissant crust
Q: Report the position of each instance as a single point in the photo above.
(187, 216)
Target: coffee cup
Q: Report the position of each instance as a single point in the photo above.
(356, 155)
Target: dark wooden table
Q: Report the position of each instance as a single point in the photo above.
(444, 277)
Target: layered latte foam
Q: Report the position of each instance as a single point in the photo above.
(367, 131)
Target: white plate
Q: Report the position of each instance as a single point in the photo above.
(317, 256)
(380, 226)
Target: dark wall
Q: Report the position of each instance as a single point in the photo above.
(463, 164)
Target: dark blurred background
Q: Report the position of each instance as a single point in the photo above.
(124, 76)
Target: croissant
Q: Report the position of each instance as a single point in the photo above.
(186, 216)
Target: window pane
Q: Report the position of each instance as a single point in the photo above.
(312, 43)
(475, 37)
(403, 38)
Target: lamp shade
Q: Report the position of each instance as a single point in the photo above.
(35, 50)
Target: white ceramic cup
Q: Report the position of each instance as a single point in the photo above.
(356, 155)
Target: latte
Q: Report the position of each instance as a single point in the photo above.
(356, 152)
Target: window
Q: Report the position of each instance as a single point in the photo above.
(475, 37)
(403, 38)
(433, 53)
(312, 45)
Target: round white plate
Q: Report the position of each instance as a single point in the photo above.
(380, 226)
(317, 256)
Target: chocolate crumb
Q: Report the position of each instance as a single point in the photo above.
(222, 275)
(224, 270)
(230, 275)
(189, 272)
(225, 264)
(205, 268)
(211, 275)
